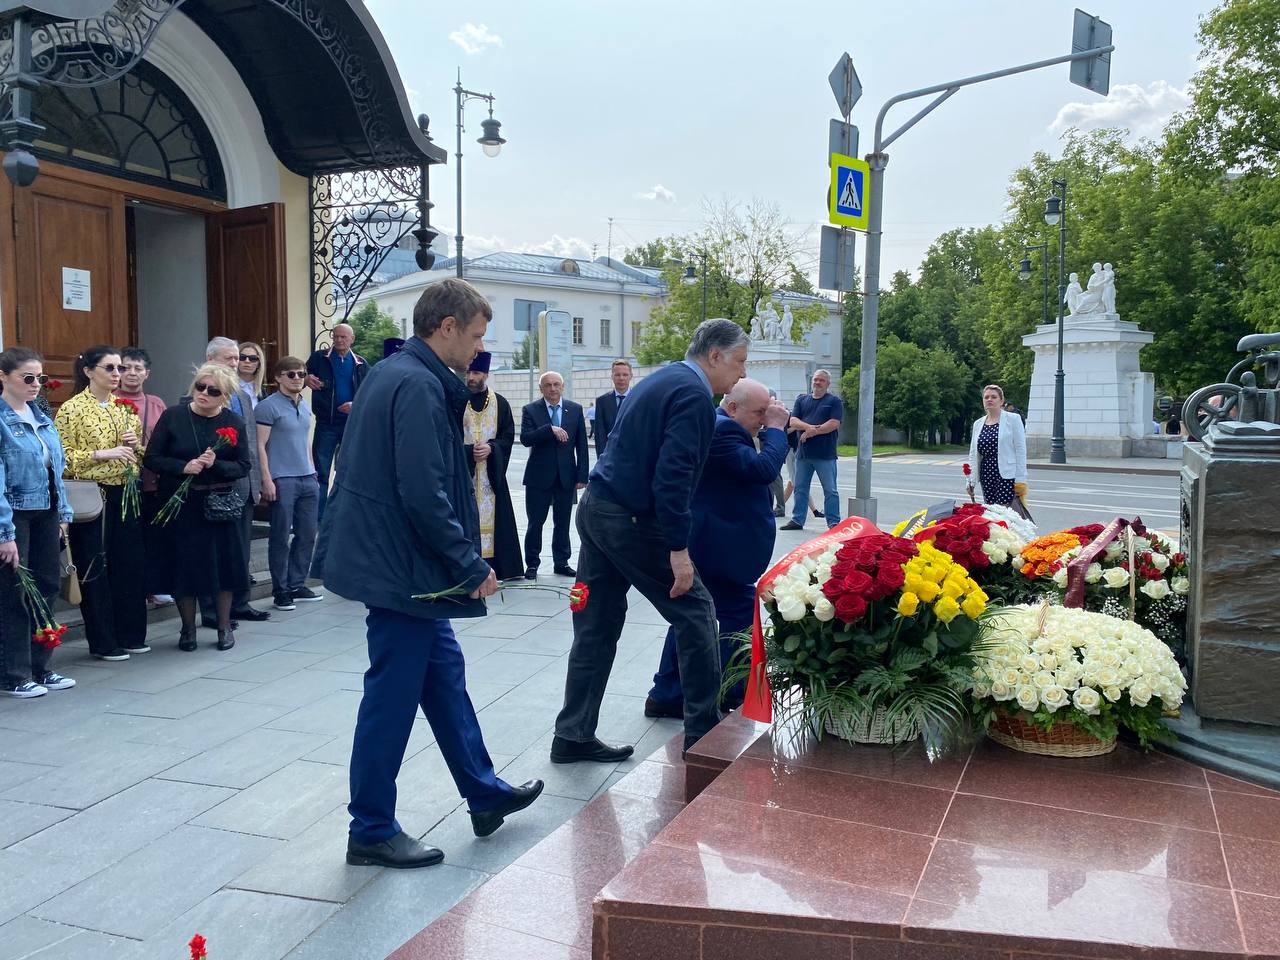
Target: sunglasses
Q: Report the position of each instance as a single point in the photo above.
(207, 388)
(250, 358)
(295, 374)
(110, 368)
(30, 378)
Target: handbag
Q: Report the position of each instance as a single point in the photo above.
(85, 500)
(223, 506)
(69, 588)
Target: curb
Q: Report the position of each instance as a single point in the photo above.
(1092, 468)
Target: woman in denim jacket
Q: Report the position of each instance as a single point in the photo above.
(33, 506)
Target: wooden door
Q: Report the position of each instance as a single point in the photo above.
(246, 269)
(72, 278)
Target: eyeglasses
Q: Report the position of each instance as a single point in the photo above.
(30, 378)
(250, 358)
(110, 368)
(295, 374)
(211, 390)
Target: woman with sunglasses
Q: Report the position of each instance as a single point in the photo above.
(101, 434)
(33, 505)
(200, 556)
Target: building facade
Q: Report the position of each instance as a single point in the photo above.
(207, 167)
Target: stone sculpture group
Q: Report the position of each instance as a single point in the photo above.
(1098, 298)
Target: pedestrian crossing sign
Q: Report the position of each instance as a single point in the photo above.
(848, 196)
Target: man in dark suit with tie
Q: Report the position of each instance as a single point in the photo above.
(609, 405)
(555, 430)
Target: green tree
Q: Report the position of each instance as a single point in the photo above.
(371, 327)
(526, 351)
(918, 389)
(655, 253)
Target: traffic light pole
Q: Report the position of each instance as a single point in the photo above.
(864, 505)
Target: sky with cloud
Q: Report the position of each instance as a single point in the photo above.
(636, 114)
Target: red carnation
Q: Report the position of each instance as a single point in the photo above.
(196, 946)
(850, 607)
(122, 402)
(578, 595)
(53, 385)
(229, 435)
(967, 469)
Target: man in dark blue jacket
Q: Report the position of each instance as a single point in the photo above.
(403, 520)
(555, 430)
(733, 528)
(334, 375)
(634, 523)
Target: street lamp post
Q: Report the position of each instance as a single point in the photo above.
(690, 275)
(1055, 214)
(491, 140)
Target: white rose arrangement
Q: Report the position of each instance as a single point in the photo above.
(1098, 672)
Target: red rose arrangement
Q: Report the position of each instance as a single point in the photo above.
(962, 535)
(48, 631)
(866, 570)
(226, 437)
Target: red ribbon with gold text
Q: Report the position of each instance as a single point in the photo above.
(758, 704)
(1077, 568)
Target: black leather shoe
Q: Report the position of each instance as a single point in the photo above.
(531, 573)
(566, 571)
(226, 639)
(187, 640)
(250, 615)
(401, 851)
(656, 708)
(487, 821)
(572, 751)
(791, 525)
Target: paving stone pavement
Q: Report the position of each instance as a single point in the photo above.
(205, 792)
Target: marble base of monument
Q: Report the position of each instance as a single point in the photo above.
(1232, 535)
(1108, 400)
(781, 366)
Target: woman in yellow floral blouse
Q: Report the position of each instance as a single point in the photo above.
(100, 434)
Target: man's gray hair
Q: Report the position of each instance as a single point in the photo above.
(218, 344)
(722, 335)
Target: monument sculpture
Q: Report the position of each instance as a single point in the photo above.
(1230, 529)
(774, 359)
(1108, 398)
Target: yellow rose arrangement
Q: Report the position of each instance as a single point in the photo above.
(933, 577)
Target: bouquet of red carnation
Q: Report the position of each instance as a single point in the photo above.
(130, 500)
(48, 631)
(227, 437)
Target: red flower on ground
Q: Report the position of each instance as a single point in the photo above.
(578, 595)
(197, 947)
(229, 435)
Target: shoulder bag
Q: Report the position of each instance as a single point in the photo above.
(220, 506)
(85, 500)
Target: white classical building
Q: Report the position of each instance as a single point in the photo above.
(610, 302)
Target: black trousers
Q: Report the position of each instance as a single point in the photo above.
(618, 551)
(109, 558)
(240, 599)
(537, 501)
(36, 534)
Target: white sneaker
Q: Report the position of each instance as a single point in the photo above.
(56, 681)
(26, 690)
(162, 599)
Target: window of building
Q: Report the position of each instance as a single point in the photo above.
(526, 314)
(605, 335)
(578, 335)
(139, 126)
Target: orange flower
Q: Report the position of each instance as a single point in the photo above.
(1041, 555)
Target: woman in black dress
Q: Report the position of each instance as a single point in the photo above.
(998, 451)
(200, 556)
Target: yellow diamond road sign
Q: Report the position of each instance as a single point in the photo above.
(847, 200)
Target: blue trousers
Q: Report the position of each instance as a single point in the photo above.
(734, 604)
(293, 532)
(324, 450)
(826, 472)
(414, 661)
